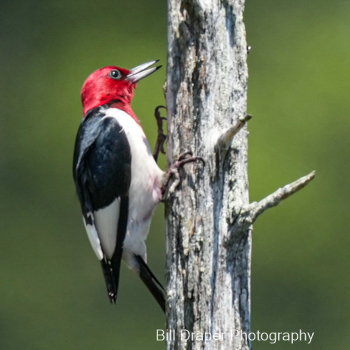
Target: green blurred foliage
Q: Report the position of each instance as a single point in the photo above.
(52, 290)
(298, 94)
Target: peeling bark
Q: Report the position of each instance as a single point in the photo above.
(209, 218)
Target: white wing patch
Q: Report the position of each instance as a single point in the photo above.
(104, 229)
(93, 237)
(106, 221)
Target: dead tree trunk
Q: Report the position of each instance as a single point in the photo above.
(209, 218)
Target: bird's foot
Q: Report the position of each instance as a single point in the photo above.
(161, 138)
(183, 159)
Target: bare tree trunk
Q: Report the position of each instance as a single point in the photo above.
(209, 218)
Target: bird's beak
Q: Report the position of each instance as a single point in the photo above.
(141, 71)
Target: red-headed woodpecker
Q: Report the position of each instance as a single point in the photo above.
(118, 182)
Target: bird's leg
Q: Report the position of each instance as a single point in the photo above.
(183, 159)
(161, 138)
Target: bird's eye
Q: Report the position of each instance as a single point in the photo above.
(115, 74)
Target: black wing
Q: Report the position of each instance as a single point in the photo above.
(102, 174)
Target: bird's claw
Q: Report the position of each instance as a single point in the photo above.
(161, 138)
(183, 159)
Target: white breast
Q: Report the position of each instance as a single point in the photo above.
(144, 193)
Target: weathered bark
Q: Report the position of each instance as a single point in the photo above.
(209, 218)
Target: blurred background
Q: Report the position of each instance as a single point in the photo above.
(52, 291)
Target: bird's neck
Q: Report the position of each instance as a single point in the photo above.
(126, 107)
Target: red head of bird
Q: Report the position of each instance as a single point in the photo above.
(113, 85)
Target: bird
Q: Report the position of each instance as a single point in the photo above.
(117, 179)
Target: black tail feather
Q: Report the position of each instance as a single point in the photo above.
(151, 282)
(112, 288)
